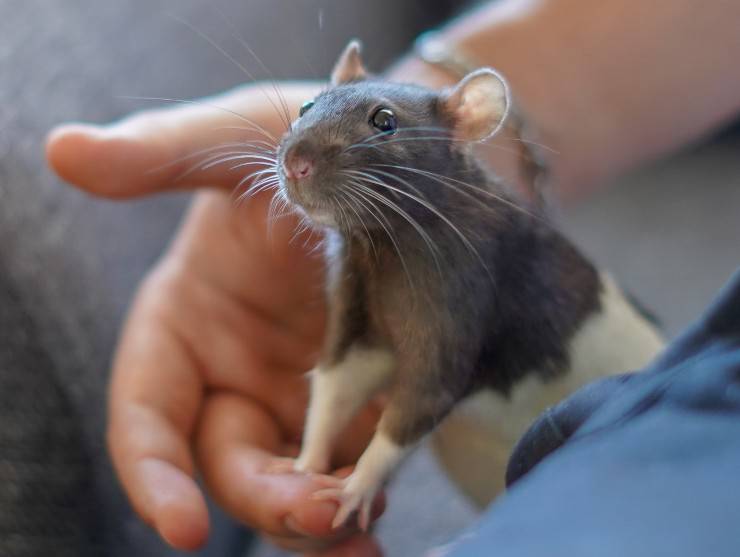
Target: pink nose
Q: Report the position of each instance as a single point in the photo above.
(297, 168)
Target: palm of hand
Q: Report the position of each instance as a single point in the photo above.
(242, 304)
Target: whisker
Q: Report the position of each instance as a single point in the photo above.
(443, 180)
(431, 138)
(249, 194)
(262, 176)
(343, 220)
(278, 208)
(267, 145)
(252, 163)
(227, 145)
(302, 51)
(302, 227)
(202, 165)
(244, 197)
(391, 237)
(258, 128)
(263, 172)
(262, 182)
(349, 198)
(234, 61)
(530, 142)
(311, 229)
(440, 129)
(404, 182)
(239, 153)
(464, 239)
(433, 248)
(228, 157)
(372, 178)
(275, 87)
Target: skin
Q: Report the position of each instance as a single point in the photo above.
(208, 371)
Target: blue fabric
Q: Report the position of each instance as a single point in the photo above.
(640, 465)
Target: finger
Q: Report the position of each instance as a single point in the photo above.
(155, 395)
(153, 150)
(361, 545)
(354, 545)
(236, 444)
(298, 545)
(304, 544)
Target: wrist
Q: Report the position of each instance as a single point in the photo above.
(524, 41)
(513, 151)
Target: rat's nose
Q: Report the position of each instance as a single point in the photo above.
(297, 167)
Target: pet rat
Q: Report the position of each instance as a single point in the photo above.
(442, 283)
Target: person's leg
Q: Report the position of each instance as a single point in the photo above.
(646, 464)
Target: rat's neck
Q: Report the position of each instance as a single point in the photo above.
(464, 213)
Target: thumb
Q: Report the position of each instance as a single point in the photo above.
(177, 147)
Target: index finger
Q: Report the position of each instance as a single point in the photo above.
(169, 148)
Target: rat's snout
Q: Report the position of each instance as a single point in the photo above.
(297, 166)
(307, 173)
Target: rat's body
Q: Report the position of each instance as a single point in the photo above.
(442, 284)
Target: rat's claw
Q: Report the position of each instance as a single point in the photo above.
(363, 519)
(288, 466)
(328, 494)
(328, 481)
(312, 462)
(350, 499)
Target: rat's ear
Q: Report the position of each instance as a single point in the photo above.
(349, 66)
(478, 104)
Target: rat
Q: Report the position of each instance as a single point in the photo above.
(443, 284)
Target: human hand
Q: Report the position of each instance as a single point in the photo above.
(209, 371)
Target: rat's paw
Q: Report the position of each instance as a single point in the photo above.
(352, 494)
(293, 466)
(309, 463)
(282, 466)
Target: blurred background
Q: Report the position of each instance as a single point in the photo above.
(69, 263)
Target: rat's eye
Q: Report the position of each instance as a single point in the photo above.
(384, 120)
(305, 107)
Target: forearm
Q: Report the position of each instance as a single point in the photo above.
(607, 84)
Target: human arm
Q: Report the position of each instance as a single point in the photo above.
(606, 85)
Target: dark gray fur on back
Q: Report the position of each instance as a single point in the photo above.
(484, 310)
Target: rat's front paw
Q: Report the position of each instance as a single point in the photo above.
(312, 463)
(300, 465)
(353, 494)
(282, 466)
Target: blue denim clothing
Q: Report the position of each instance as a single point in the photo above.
(640, 464)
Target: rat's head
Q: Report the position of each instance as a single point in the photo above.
(365, 142)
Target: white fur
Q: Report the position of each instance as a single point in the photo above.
(380, 458)
(337, 394)
(474, 443)
(323, 218)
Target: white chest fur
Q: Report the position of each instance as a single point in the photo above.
(474, 443)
